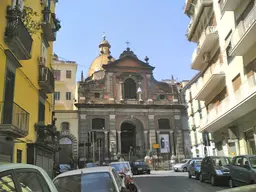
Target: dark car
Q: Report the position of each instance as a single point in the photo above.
(194, 168)
(139, 167)
(215, 169)
(242, 171)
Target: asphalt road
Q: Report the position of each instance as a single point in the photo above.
(172, 182)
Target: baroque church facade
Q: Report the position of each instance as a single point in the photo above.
(122, 109)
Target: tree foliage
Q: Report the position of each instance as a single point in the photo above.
(29, 18)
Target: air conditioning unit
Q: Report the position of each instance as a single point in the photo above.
(206, 57)
(42, 61)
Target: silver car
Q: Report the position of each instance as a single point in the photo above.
(182, 166)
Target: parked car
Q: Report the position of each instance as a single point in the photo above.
(94, 179)
(182, 166)
(215, 169)
(242, 171)
(90, 165)
(24, 177)
(140, 167)
(122, 167)
(194, 168)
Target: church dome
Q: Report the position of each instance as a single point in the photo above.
(102, 59)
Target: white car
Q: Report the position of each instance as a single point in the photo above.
(122, 166)
(24, 177)
(95, 179)
(182, 166)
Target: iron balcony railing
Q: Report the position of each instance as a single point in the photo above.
(15, 116)
(17, 36)
(46, 79)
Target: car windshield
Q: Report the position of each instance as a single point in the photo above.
(253, 162)
(120, 167)
(139, 163)
(85, 182)
(90, 165)
(221, 161)
(184, 161)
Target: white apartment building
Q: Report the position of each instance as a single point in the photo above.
(225, 33)
(65, 111)
(201, 143)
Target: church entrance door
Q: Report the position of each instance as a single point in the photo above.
(128, 138)
(65, 150)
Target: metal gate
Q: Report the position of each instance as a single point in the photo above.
(45, 161)
(5, 158)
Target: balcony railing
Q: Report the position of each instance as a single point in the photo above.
(206, 42)
(50, 24)
(198, 8)
(14, 121)
(241, 30)
(247, 89)
(46, 79)
(17, 36)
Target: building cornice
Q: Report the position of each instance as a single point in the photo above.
(65, 111)
(129, 106)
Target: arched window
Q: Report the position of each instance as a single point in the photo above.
(98, 123)
(65, 126)
(130, 89)
(65, 141)
(164, 124)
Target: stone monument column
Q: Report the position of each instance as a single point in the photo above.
(112, 136)
(106, 138)
(146, 141)
(121, 90)
(119, 142)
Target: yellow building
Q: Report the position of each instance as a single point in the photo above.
(27, 32)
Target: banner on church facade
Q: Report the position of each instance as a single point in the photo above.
(164, 143)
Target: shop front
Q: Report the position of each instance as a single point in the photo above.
(42, 152)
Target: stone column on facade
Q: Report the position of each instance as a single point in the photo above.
(121, 90)
(146, 141)
(171, 143)
(112, 136)
(119, 142)
(106, 144)
(83, 129)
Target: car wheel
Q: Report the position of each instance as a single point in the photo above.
(231, 183)
(189, 176)
(201, 177)
(185, 169)
(213, 180)
(176, 170)
(197, 176)
(148, 172)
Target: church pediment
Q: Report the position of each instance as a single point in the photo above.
(128, 63)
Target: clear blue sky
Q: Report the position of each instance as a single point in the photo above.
(155, 29)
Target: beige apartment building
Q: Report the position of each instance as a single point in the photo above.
(65, 96)
(225, 57)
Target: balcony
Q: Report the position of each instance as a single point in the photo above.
(243, 37)
(228, 5)
(50, 24)
(232, 107)
(14, 121)
(211, 79)
(46, 79)
(17, 36)
(207, 41)
(198, 12)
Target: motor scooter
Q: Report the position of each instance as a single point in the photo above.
(129, 183)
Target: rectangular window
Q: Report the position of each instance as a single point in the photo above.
(57, 75)
(68, 74)
(57, 96)
(68, 95)
(41, 112)
(18, 3)
(19, 156)
(44, 51)
(97, 95)
(236, 82)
